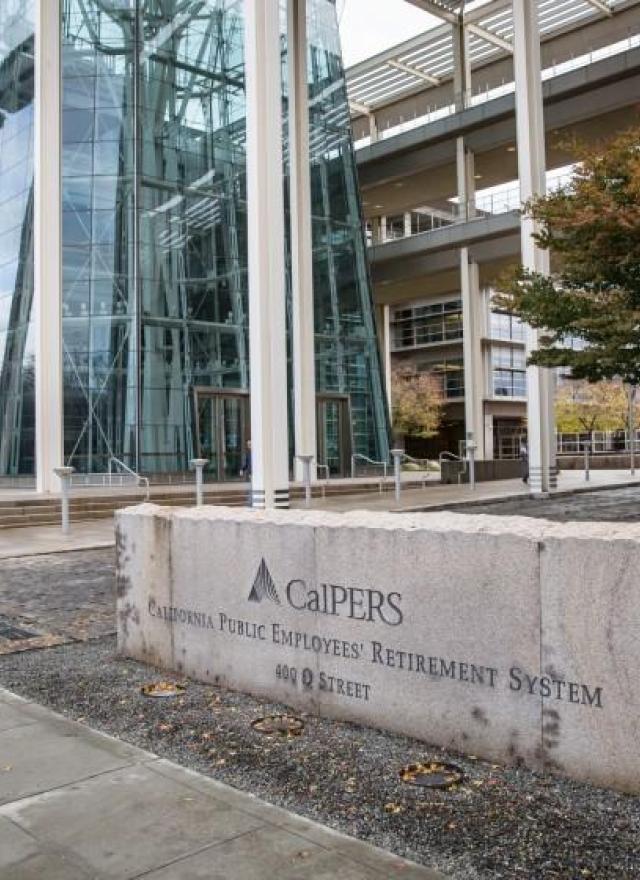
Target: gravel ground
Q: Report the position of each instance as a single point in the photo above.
(500, 823)
(70, 596)
(603, 505)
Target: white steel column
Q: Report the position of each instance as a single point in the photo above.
(384, 331)
(472, 353)
(461, 65)
(265, 210)
(47, 304)
(469, 275)
(532, 173)
(304, 377)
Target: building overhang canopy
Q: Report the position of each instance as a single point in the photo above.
(427, 60)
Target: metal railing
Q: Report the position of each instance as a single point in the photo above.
(490, 92)
(424, 467)
(600, 442)
(429, 463)
(111, 478)
(451, 456)
(370, 461)
(503, 200)
(140, 481)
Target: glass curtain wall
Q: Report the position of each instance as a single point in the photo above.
(17, 367)
(154, 229)
(346, 345)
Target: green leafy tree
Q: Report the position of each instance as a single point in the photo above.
(591, 228)
(418, 403)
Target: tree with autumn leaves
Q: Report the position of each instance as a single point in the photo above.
(583, 407)
(591, 228)
(418, 403)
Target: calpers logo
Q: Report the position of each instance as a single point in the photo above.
(336, 600)
(263, 586)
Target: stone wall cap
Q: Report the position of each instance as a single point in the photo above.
(528, 528)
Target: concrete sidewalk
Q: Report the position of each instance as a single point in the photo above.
(75, 804)
(39, 540)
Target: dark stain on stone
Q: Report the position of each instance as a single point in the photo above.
(127, 613)
(123, 581)
(479, 715)
(550, 736)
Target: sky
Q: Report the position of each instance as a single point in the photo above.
(369, 26)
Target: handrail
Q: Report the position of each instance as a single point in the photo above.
(451, 456)
(419, 460)
(355, 456)
(141, 480)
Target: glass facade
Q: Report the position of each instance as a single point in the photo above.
(155, 302)
(17, 366)
(507, 326)
(508, 365)
(427, 324)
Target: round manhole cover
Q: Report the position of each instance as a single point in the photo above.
(433, 774)
(279, 725)
(161, 689)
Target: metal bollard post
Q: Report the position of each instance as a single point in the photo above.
(471, 452)
(306, 477)
(397, 464)
(199, 464)
(64, 475)
(587, 449)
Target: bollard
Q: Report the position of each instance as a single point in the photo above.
(397, 463)
(471, 452)
(64, 475)
(199, 464)
(306, 477)
(587, 449)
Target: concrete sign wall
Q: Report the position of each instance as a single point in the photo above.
(510, 638)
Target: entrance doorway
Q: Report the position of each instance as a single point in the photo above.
(222, 431)
(335, 443)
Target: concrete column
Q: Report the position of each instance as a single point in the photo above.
(472, 353)
(373, 128)
(465, 170)
(265, 221)
(461, 65)
(532, 173)
(386, 353)
(488, 437)
(469, 277)
(304, 377)
(47, 189)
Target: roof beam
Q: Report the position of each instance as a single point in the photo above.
(490, 37)
(414, 71)
(362, 109)
(434, 8)
(481, 13)
(602, 6)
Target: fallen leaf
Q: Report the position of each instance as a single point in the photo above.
(393, 808)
